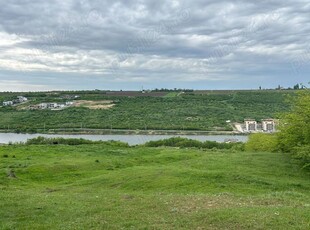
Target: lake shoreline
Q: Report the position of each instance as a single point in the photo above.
(131, 139)
(127, 132)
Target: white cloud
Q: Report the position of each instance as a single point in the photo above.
(146, 40)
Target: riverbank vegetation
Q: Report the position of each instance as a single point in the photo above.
(170, 142)
(71, 141)
(189, 143)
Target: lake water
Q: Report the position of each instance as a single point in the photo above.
(6, 138)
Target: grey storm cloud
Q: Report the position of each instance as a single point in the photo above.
(235, 43)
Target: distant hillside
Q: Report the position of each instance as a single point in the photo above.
(171, 110)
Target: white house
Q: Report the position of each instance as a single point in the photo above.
(69, 103)
(8, 103)
(52, 105)
(43, 106)
(22, 99)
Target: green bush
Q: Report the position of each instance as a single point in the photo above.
(303, 153)
(295, 125)
(294, 135)
(189, 143)
(71, 141)
(261, 142)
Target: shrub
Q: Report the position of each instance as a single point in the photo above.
(71, 141)
(262, 142)
(294, 135)
(295, 126)
(56, 141)
(303, 153)
(187, 143)
(175, 142)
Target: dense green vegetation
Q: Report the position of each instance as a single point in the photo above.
(170, 142)
(294, 135)
(71, 141)
(295, 129)
(184, 143)
(262, 142)
(175, 111)
(103, 186)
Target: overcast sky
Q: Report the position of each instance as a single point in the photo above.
(200, 44)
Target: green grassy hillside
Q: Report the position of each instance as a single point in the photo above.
(175, 111)
(105, 187)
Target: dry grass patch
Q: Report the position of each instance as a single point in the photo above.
(104, 104)
(196, 203)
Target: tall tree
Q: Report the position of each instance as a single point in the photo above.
(295, 125)
(294, 135)
(296, 87)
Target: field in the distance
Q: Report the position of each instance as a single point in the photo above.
(198, 110)
(109, 187)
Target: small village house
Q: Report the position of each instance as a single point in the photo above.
(22, 99)
(8, 103)
(52, 105)
(69, 103)
(43, 106)
(19, 99)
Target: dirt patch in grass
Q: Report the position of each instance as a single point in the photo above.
(190, 204)
(105, 104)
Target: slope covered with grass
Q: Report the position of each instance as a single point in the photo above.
(186, 111)
(108, 187)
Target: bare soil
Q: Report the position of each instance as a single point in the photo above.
(105, 104)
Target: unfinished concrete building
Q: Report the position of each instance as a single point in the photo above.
(268, 125)
(250, 125)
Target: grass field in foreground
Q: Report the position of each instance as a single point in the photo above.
(106, 187)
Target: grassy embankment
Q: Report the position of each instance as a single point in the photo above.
(100, 186)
